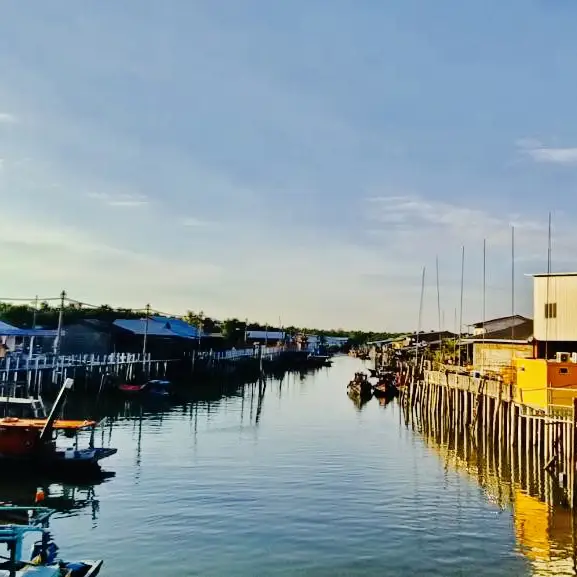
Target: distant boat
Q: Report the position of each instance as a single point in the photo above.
(155, 388)
(43, 560)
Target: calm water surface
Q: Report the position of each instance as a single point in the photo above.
(300, 482)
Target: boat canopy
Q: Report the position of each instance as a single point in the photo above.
(59, 425)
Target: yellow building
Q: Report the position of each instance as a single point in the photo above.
(543, 384)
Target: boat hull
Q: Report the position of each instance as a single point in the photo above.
(84, 463)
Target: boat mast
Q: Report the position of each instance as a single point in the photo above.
(47, 430)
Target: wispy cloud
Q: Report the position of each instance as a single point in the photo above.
(550, 155)
(6, 118)
(414, 225)
(120, 200)
(192, 222)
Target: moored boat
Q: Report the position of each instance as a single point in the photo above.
(32, 443)
(360, 386)
(385, 391)
(43, 560)
(155, 388)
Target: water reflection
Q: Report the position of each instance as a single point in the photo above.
(66, 499)
(514, 480)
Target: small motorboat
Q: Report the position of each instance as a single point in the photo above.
(360, 386)
(43, 560)
(155, 388)
(385, 391)
(385, 388)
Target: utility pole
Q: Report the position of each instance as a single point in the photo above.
(145, 340)
(35, 312)
(57, 342)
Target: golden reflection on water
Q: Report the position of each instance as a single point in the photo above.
(544, 528)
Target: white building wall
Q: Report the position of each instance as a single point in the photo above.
(561, 290)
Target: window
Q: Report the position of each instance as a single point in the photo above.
(550, 310)
(564, 371)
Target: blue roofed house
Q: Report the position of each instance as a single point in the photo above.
(13, 339)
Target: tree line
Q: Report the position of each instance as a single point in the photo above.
(232, 329)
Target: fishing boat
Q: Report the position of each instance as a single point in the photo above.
(360, 386)
(154, 388)
(385, 387)
(43, 560)
(385, 391)
(32, 443)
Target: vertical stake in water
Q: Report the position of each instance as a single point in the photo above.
(420, 319)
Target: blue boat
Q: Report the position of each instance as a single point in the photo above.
(43, 560)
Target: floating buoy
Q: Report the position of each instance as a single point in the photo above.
(40, 496)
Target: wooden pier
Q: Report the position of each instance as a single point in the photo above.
(487, 413)
(30, 376)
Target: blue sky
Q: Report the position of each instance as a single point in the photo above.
(301, 160)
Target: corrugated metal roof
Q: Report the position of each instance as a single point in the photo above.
(166, 327)
(265, 335)
(7, 330)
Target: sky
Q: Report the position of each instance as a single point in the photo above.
(299, 160)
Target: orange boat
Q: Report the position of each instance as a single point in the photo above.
(32, 442)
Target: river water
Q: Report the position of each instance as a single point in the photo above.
(297, 481)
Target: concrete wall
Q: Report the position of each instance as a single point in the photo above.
(561, 290)
(495, 356)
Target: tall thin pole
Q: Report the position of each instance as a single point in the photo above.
(145, 339)
(513, 281)
(547, 304)
(484, 301)
(35, 313)
(420, 319)
(439, 308)
(454, 340)
(57, 343)
(461, 306)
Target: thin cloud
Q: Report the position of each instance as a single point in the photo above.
(416, 219)
(547, 155)
(120, 200)
(6, 118)
(193, 222)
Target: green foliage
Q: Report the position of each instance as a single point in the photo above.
(232, 329)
